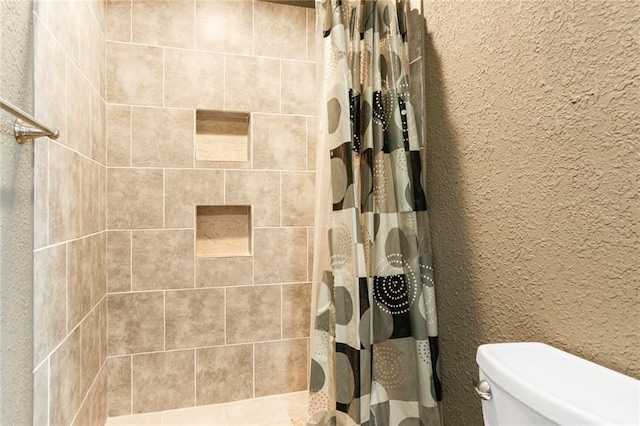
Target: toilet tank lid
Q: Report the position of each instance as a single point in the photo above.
(566, 389)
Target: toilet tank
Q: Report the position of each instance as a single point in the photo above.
(537, 384)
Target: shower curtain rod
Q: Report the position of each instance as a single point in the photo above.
(27, 127)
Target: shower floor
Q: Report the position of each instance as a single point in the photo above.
(286, 410)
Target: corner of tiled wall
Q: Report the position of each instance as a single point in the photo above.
(187, 330)
(70, 315)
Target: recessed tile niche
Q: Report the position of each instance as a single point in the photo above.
(222, 136)
(223, 231)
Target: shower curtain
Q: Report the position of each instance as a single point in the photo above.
(374, 346)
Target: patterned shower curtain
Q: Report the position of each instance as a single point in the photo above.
(374, 336)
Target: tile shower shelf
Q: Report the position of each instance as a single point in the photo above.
(223, 231)
(222, 136)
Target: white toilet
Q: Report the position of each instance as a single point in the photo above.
(525, 384)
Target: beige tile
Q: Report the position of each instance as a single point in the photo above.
(78, 110)
(299, 92)
(280, 30)
(41, 395)
(208, 415)
(41, 8)
(98, 128)
(118, 20)
(162, 259)
(99, 405)
(50, 81)
(92, 48)
(162, 137)
(280, 255)
(311, 35)
(90, 348)
(118, 261)
(298, 198)
(99, 9)
(223, 231)
(310, 251)
(224, 26)
(194, 318)
(281, 367)
(66, 380)
(134, 74)
(163, 381)
(40, 194)
(185, 189)
(250, 314)
(255, 411)
(224, 271)
(118, 135)
(295, 404)
(279, 142)
(65, 25)
(83, 417)
(312, 132)
(163, 22)
(104, 335)
(49, 300)
(64, 194)
(119, 385)
(296, 303)
(93, 196)
(134, 198)
(87, 276)
(224, 374)
(136, 322)
(260, 189)
(193, 79)
(252, 84)
(147, 419)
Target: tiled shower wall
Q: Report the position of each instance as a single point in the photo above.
(186, 330)
(70, 307)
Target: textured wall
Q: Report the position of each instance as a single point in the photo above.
(16, 191)
(533, 151)
(70, 344)
(188, 329)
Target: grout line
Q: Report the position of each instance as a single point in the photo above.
(48, 389)
(289, 339)
(131, 260)
(68, 241)
(224, 309)
(280, 212)
(285, 114)
(164, 66)
(164, 320)
(130, 136)
(281, 313)
(195, 378)
(66, 292)
(131, 383)
(164, 198)
(205, 169)
(253, 356)
(131, 37)
(246, 55)
(48, 188)
(68, 334)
